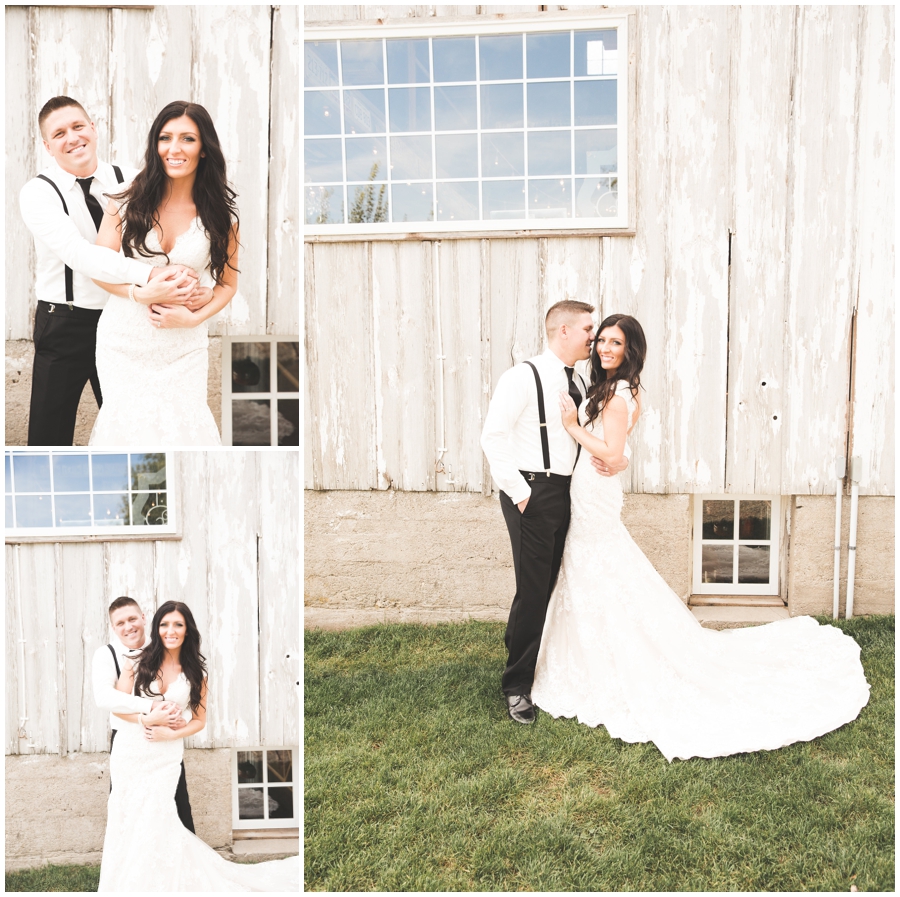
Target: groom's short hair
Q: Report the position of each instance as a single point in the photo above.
(566, 308)
(124, 601)
(58, 103)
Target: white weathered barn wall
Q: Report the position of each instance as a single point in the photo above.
(124, 64)
(763, 132)
(237, 568)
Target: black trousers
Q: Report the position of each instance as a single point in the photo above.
(537, 538)
(65, 342)
(182, 803)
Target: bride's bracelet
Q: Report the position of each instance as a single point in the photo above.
(131, 287)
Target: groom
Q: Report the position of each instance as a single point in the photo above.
(63, 207)
(532, 458)
(128, 622)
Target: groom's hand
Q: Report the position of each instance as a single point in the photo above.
(162, 713)
(607, 470)
(178, 723)
(167, 271)
(522, 505)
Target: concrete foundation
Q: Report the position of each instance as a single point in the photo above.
(19, 361)
(56, 806)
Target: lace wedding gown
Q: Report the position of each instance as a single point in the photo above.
(620, 649)
(153, 379)
(146, 847)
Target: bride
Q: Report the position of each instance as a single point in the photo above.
(145, 767)
(620, 649)
(153, 365)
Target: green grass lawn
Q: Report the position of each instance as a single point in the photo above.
(54, 878)
(416, 780)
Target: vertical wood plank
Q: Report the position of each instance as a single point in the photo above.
(873, 422)
(13, 672)
(129, 570)
(761, 127)
(821, 247)
(283, 310)
(312, 458)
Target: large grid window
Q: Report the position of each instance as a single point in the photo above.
(264, 793)
(77, 492)
(261, 391)
(736, 545)
(465, 132)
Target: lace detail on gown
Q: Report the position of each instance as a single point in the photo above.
(142, 823)
(153, 379)
(621, 649)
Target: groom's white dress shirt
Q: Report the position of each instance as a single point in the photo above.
(68, 240)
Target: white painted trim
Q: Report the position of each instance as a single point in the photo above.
(236, 822)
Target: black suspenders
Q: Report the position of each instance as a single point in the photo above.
(70, 293)
(112, 651)
(542, 417)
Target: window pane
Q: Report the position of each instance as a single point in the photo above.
(250, 767)
(595, 52)
(458, 201)
(548, 104)
(250, 422)
(502, 106)
(148, 471)
(412, 202)
(596, 197)
(503, 199)
(110, 471)
(111, 510)
(718, 563)
(149, 509)
(32, 473)
(455, 108)
(280, 766)
(409, 108)
(250, 803)
(501, 57)
(550, 198)
(288, 372)
(73, 510)
(70, 473)
(595, 102)
(33, 510)
(320, 68)
(410, 159)
(250, 367)
(549, 152)
(363, 111)
(322, 161)
(324, 205)
(368, 204)
(8, 478)
(548, 55)
(755, 517)
(718, 519)
(366, 158)
(595, 151)
(362, 62)
(408, 61)
(502, 155)
(289, 421)
(321, 113)
(281, 803)
(753, 564)
(456, 155)
(454, 58)
(9, 512)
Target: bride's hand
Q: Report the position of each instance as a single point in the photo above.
(174, 290)
(158, 733)
(199, 297)
(569, 411)
(170, 316)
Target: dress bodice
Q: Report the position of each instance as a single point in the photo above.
(191, 248)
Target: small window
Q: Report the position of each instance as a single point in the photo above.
(261, 390)
(78, 492)
(736, 542)
(264, 792)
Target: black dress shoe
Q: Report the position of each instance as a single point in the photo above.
(520, 708)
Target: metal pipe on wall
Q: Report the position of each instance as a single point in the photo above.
(840, 466)
(855, 469)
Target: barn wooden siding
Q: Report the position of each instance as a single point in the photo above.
(241, 62)
(761, 270)
(236, 566)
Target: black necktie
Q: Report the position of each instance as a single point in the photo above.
(91, 202)
(574, 392)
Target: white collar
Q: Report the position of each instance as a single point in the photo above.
(121, 649)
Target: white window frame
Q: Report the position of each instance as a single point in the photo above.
(130, 532)
(735, 588)
(621, 224)
(272, 395)
(236, 822)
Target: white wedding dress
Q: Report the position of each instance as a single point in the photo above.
(620, 649)
(153, 379)
(146, 847)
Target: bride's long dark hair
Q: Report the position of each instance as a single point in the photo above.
(212, 194)
(193, 663)
(603, 388)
